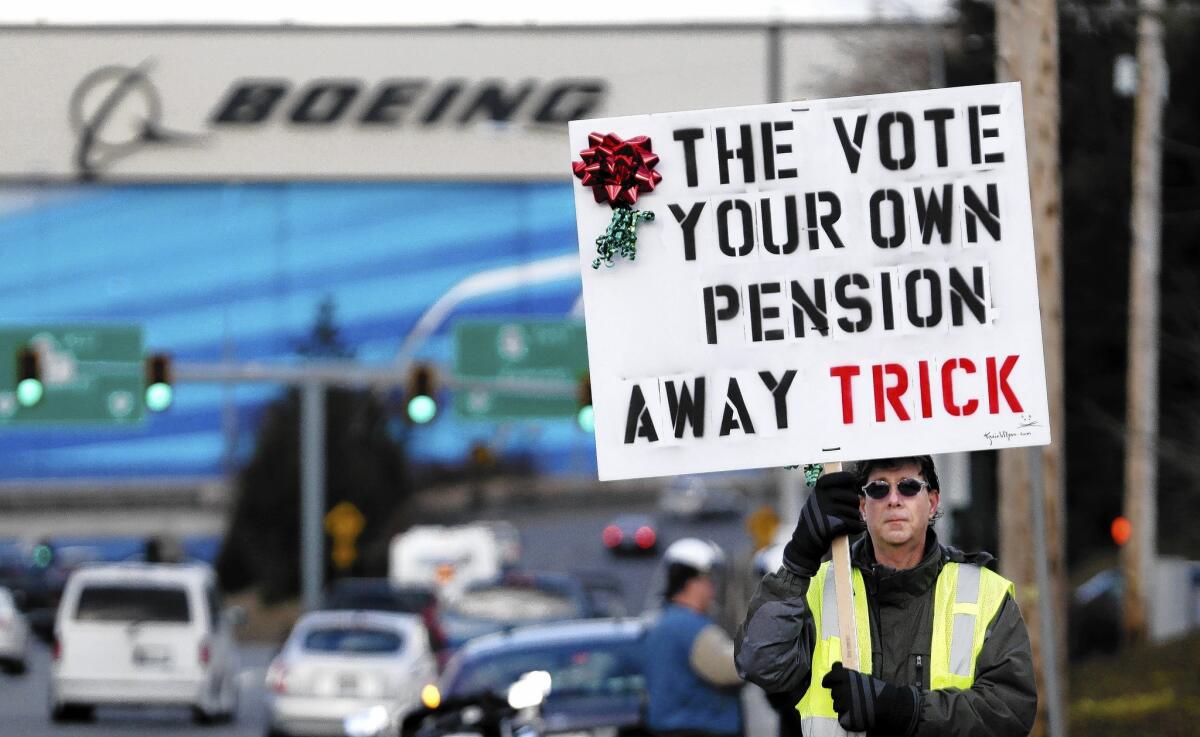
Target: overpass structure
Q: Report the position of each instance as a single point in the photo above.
(172, 508)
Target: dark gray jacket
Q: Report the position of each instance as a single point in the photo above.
(775, 642)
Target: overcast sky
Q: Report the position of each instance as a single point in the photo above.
(438, 12)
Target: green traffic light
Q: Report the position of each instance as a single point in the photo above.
(42, 556)
(159, 396)
(421, 409)
(29, 392)
(587, 419)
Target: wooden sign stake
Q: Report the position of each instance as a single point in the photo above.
(840, 551)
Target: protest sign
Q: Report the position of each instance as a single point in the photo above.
(822, 280)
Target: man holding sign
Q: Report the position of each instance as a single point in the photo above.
(942, 647)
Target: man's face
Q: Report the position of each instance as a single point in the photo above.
(704, 591)
(897, 520)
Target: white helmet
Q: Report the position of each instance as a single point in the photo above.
(703, 555)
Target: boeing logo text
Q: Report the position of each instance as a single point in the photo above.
(408, 101)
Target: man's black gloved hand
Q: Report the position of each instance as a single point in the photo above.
(831, 510)
(867, 704)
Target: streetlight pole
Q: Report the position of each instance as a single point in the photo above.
(312, 492)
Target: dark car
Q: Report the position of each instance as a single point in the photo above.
(597, 687)
(513, 599)
(381, 595)
(37, 582)
(1095, 614)
(15, 565)
(631, 534)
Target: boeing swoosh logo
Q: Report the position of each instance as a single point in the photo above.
(117, 111)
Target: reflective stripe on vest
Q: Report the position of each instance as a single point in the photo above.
(821, 727)
(817, 716)
(966, 599)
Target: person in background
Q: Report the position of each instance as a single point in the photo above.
(693, 685)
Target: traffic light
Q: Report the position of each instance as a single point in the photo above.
(586, 417)
(422, 394)
(1121, 530)
(29, 377)
(158, 382)
(43, 554)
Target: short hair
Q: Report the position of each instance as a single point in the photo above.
(863, 469)
(678, 574)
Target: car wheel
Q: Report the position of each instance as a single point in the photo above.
(72, 712)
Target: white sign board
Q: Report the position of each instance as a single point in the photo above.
(824, 280)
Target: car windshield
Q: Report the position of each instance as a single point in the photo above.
(352, 641)
(108, 603)
(513, 604)
(576, 669)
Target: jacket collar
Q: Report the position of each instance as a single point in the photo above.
(888, 585)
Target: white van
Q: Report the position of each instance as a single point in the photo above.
(143, 634)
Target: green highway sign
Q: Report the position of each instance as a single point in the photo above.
(554, 351)
(89, 374)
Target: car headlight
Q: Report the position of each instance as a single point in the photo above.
(529, 690)
(367, 723)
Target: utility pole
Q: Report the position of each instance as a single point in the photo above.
(1027, 51)
(1141, 383)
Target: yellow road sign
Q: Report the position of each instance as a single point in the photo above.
(762, 524)
(344, 523)
(343, 555)
(344, 520)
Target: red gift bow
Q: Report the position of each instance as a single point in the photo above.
(617, 171)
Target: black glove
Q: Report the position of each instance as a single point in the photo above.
(867, 704)
(831, 510)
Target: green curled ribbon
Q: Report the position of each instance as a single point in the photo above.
(812, 472)
(621, 237)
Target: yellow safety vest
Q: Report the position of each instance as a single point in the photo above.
(966, 599)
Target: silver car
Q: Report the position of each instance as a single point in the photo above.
(337, 663)
(14, 635)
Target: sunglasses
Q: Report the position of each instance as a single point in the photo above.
(878, 489)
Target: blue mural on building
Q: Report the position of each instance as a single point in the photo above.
(236, 272)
